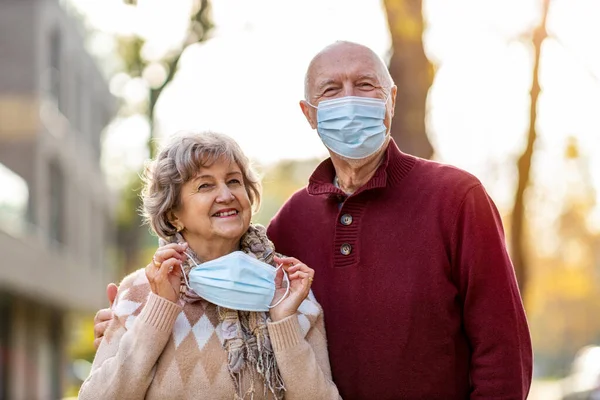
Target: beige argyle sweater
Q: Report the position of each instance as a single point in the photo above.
(156, 349)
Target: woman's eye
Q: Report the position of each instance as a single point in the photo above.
(234, 182)
(204, 186)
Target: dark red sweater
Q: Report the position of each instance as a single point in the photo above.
(418, 290)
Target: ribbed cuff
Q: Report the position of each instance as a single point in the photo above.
(159, 312)
(285, 333)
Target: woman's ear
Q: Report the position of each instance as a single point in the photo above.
(174, 221)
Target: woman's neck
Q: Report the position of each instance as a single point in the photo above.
(207, 250)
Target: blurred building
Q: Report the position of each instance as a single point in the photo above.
(56, 222)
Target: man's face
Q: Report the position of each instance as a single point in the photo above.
(347, 70)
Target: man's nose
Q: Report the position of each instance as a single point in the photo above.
(349, 90)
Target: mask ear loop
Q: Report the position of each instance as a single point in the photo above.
(287, 290)
(183, 272)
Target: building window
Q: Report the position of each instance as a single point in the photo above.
(80, 100)
(55, 68)
(99, 125)
(57, 204)
(14, 202)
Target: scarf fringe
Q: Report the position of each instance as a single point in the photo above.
(249, 350)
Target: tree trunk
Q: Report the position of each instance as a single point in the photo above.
(518, 239)
(413, 74)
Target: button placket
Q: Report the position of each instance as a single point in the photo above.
(346, 219)
(347, 229)
(346, 249)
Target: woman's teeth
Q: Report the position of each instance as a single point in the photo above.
(226, 213)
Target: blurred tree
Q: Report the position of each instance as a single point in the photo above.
(413, 74)
(158, 74)
(130, 228)
(130, 49)
(280, 181)
(518, 236)
(565, 300)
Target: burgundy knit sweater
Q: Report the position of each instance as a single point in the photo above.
(418, 291)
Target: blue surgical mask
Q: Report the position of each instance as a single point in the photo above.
(237, 281)
(352, 126)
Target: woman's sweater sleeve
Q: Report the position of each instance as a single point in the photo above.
(303, 360)
(124, 364)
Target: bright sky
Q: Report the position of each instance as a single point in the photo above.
(247, 80)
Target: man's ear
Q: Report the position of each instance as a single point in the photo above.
(393, 92)
(309, 113)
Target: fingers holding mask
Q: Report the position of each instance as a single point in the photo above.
(286, 261)
(302, 274)
(164, 279)
(300, 277)
(171, 250)
(279, 278)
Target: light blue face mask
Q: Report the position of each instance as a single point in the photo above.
(237, 281)
(352, 126)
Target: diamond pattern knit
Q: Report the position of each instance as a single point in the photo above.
(156, 349)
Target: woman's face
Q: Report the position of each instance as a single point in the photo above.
(215, 204)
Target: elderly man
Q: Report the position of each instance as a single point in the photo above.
(412, 271)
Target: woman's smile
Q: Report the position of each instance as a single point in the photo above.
(226, 213)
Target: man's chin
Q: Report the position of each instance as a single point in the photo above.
(359, 162)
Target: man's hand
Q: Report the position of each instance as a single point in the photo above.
(103, 317)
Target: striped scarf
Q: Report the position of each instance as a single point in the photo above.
(245, 333)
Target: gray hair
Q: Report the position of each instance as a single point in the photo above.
(383, 71)
(180, 160)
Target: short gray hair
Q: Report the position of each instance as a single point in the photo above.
(180, 160)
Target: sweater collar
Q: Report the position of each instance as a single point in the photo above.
(394, 167)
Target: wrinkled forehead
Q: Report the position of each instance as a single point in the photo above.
(343, 63)
(203, 163)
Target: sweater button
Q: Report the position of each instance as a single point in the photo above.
(346, 219)
(346, 249)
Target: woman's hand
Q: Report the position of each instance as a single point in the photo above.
(164, 272)
(300, 277)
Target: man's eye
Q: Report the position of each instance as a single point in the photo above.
(365, 85)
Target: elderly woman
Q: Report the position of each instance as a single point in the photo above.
(211, 317)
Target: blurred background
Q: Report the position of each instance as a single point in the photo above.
(507, 89)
